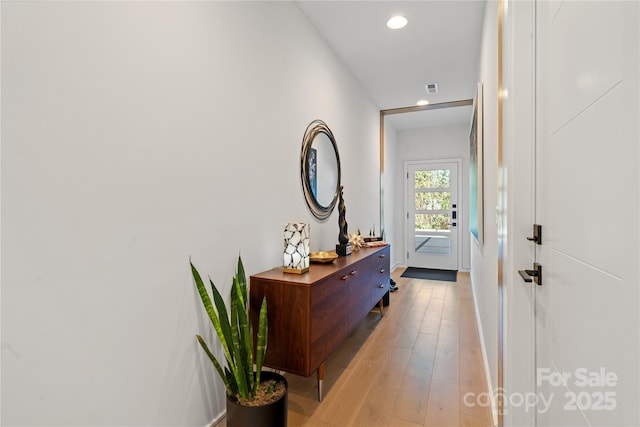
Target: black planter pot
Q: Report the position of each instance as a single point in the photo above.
(271, 415)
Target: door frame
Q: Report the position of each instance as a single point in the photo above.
(404, 110)
(460, 216)
(516, 341)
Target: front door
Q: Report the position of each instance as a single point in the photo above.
(433, 215)
(587, 193)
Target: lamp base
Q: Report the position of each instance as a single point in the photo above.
(344, 249)
(295, 270)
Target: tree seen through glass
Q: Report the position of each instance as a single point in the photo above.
(432, 178)
(432, 222)
(437, 200)
(432, 200)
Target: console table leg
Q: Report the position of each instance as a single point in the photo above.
(380, 304)
(320, 374)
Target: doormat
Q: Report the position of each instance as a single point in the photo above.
(430, 274)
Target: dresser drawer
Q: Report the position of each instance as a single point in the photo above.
(380, 275)
(329, 317)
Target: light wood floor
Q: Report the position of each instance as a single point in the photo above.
(411, 368)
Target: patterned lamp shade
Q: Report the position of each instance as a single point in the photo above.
(296, 248)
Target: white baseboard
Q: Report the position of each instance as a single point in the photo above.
(485, 360)
(217, 419)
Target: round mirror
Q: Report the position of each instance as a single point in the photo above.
(320, 169)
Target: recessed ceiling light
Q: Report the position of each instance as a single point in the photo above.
(397, 22)
(422, 102)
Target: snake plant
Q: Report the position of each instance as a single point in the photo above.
(235, 332)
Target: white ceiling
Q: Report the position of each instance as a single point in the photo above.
(440, 44)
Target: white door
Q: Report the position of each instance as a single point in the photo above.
(433, 215)
(587, 192)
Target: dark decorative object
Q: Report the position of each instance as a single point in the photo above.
(320, 169)
(344, 248)
(343, 237)
(269, 415)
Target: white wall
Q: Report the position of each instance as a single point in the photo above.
(484, 257)
(136, 135)
(428, 144)
(391, 212)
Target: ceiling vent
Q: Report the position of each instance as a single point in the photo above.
(431, 88)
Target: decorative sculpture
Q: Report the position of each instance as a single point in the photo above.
(356, 240)
(344, 247)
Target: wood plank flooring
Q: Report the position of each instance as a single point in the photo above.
(410, 368)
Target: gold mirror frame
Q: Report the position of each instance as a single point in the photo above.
(315, 128)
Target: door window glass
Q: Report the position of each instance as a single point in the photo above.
(432, 222)
(438, 200)
(439, 178)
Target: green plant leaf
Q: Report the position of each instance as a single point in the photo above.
(246, 341)
(272, 387)
(206, 302)
(242, 279)
(240, 371)
(261, 347)
(232, 380)
(216, 364)
(223, 318)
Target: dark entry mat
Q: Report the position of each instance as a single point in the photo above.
(430, 274)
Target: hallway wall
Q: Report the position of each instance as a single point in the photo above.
(484, 256)
(392, 207)
(136, 135)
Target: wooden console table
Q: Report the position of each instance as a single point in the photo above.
(310, 314)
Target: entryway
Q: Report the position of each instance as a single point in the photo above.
(433, 213)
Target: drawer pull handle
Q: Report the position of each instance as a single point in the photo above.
(382, 270)
(344, 277)
(353, 273)
(381, 286)
(381, 256)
